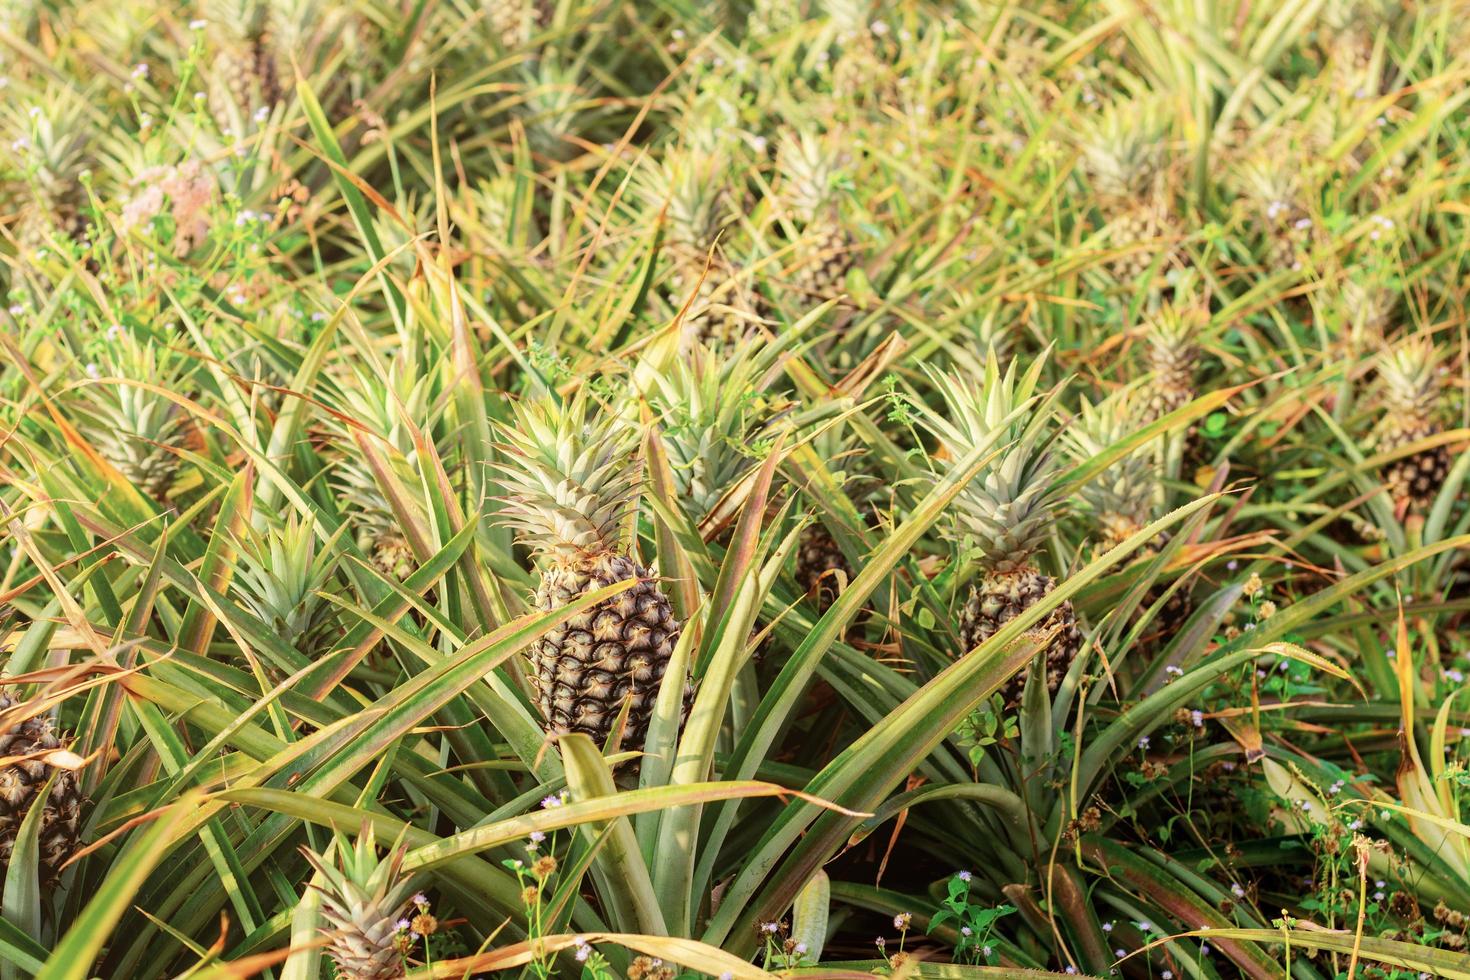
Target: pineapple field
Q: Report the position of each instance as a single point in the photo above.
(823, 488)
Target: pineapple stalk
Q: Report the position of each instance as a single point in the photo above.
(570, 479)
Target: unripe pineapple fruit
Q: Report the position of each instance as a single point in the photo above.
(20, 781)
(570, 480)
(1123, 156)
(363, 898)
(1173, 359)
(1410, 397)
(1008, 509)
(809, 169)
(247, 68)
(1124, 497)
(688, 187)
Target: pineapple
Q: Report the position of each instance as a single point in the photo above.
(709, 403)
(1008, 510)
(1270, 183)
(1411, 390)
(808, 167)
(513, 22)
(381, 406)
(138, 431)
(1123, 498)
(688, 187)
(247, 65)
(24, 745)
(364, 899)
(1124, 158)
(1173, 358)
(50, 145)
(1348, 35)
(570, 477)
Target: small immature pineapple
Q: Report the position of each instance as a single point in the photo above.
(20, 781)
(570, 476)
(808, 167)
(280, 574)
(689, 187)
(711, 406)
(1124, 498)
(1348, 34)
(1411, 391)
(1270, 184)
(1173, 358)
(1009, 509)
(1124, 158)
(381, 405)
(49, 144)
(363, 899)
(247, 66)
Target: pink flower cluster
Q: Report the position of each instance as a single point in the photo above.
(188, 189)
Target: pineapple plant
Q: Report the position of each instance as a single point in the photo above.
(1124, 157)
(1411, 388)
(363, 901)
(688, 188)
(1124, 498)
(809, 171)
(570, 477)
(25, 746)
(248, 65)
(1009, 509)
(1348, 35)
(50, 144)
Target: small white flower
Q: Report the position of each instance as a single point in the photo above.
(140, 70)
(198, 24)
(1239, 891)
(800, 948)
(963, 875)
(1120, 953)
(262, 114)
(1107, 927)
(878, 27)
(1143, 742)
(16, 309)
(92, 371)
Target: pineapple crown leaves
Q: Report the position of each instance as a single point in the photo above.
(569, 478)
(688, 188)
(1009, 507)
(810, 171)
(1122, 496)
(236, 20)
(1409, 374)
(1173, 334)
(708, 405)
(279, 575)
(361, 891)
(1123, 151)
(48, 138)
